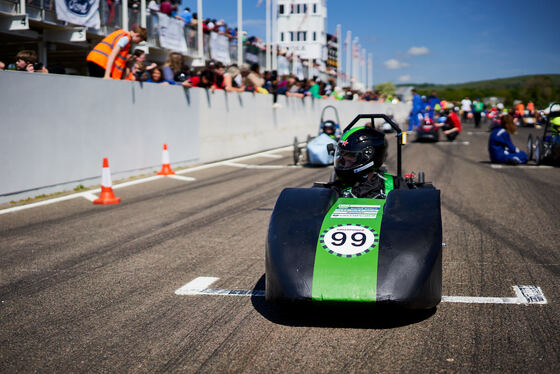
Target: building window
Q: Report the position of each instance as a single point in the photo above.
(314, 36)
(304, 8)
(291, 36)
(298, 8)
(314, 8)
(304, 35)
(281, 9)
(281, 36)
(292, 7)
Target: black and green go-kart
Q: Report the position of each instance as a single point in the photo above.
(327, 249)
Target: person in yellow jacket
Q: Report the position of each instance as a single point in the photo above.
(108, 58)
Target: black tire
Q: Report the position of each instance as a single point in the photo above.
(530, 147)
(296, 151)
(538, 150)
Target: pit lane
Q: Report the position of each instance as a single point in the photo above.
(89, 288)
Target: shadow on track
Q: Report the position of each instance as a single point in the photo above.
(337, 316)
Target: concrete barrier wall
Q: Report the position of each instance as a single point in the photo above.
(57, 129)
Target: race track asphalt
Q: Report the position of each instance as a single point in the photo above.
(87, 288)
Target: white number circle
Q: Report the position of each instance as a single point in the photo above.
(349, 240)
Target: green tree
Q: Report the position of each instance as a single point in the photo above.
(386, 88)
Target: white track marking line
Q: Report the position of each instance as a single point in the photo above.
(195, 286)
(89, 196)
(451, 143)
(249, 166)
(524, 294)
(182, 178)
(500, 166)
(270, 155)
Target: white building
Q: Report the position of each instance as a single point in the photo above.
(302, 26)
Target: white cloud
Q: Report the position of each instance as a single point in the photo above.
(418, 51)
(394, 64)
(404, 78)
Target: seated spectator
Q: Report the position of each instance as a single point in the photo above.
(166, 7)
(233, 81)
(500, 146)
(26, 60)
(157, 77)
(174, 70)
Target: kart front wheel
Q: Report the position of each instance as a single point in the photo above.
(538, 150)
(296, 151)
(530, 147)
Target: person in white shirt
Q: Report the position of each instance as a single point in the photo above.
(466, 104)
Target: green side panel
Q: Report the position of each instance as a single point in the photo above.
(346, 257)
(389, 183)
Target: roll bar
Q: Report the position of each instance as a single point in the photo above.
(393, 124)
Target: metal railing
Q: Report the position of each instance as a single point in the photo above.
(111, 17)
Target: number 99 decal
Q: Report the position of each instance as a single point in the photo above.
(349, 240)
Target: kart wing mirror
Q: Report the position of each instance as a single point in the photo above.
(393, 124)
(330, 148)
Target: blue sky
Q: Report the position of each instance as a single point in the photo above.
(434, 41)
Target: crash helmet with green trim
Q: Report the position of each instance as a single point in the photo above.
(359, 151)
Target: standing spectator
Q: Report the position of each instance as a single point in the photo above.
(173, 69)
(433, 100)
(466, 107)
(166, 7)
(157, 77)
(233, 81)
(2, 65)
(253, 79)
(417, 107)
(153, 6)
(187, 16)
(108, 58)
(477, 112)
(26, 60)
(140, 55)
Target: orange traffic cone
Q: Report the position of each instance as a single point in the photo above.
(106, 196)
(165, 165)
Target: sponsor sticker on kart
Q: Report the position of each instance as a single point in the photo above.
(355, 211)
(349, 240)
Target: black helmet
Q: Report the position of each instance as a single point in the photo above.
(360, 151)
(329, 127)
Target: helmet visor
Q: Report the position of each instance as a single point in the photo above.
(356, 161)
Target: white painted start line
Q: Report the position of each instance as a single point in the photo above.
(454, 143)
(90, 194)
(500, 166)
(523, 294)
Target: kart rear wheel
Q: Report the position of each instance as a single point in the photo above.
(296, 151)
(538, 150)
(530, 147)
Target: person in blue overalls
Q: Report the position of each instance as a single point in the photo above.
(417, 107)
(500, 146)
